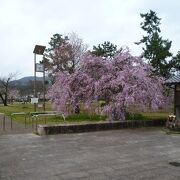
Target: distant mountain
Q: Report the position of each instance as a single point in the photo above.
(25, 80)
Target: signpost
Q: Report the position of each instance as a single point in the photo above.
(38, 67)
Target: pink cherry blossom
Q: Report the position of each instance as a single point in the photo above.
(121, 81)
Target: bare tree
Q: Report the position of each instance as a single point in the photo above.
(64, 53)
(78, 48)
(4, 87)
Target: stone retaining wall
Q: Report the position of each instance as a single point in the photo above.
(99, 126)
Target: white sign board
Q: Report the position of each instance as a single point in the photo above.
(34, 100)
(39, 67)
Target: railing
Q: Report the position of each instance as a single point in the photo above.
(19, 113)
(32, 117)
(38, 115)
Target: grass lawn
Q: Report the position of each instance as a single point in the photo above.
(82, 117)
(18, 107)
(148, 115)
(155, 115)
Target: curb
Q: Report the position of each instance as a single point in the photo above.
(99, 126)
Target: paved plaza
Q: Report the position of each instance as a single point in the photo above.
(136, 154)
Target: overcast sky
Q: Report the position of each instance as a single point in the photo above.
(25, 23)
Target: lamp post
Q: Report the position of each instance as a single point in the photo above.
(38, 50)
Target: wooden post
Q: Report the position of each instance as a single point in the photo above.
(177, 101)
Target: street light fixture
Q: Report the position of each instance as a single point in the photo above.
(38, 50)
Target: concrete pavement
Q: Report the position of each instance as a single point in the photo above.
(137, 154)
